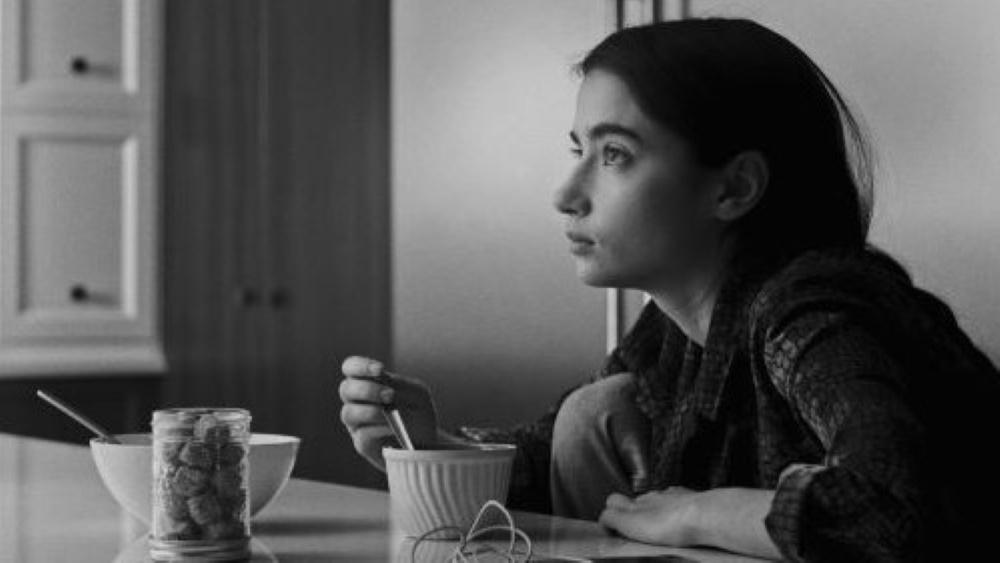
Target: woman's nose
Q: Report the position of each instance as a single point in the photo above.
(571, 199)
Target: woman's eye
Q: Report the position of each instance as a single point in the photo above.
(614, 155)
(610, 155)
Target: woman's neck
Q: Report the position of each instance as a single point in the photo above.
(690, 302)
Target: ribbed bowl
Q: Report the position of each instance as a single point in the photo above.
(429, 489)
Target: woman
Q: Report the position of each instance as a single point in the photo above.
(787, 392)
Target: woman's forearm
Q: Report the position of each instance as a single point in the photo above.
(733, 519)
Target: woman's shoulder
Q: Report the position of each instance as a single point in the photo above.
(834, 279)
(866, 291)
(864, 307)
(863, 271)
(868, 287)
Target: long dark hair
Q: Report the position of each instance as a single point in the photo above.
(729, 85)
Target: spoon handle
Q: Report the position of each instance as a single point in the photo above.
(398, 428)
(392, 416)
(77, 416)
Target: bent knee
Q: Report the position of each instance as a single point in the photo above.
(590, 404)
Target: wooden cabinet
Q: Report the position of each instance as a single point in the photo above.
(276, 212)
(79, 129)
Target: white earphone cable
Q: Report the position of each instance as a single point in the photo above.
(463, 551)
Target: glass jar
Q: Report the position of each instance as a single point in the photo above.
(201, 504)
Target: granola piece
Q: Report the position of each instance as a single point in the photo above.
(172, 504)
(177, 529)
(231, 453)
(228, 482)
(188, 481)
(225, 530)
(204, 509)
(170, 452)
(198, 454)
(210, 429)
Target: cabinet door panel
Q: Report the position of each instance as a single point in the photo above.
(78, 55)
(71, 203)
(77, 228)
(328, 215)
(276, 181)
(212, 236)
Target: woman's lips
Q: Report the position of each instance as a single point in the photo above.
(578, 248)
(579, 244)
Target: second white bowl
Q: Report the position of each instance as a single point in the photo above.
(127, 469)
(429, 489)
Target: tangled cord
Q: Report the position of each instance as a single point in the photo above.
(464, 551)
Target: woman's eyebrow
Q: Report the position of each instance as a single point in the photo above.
(607, 128)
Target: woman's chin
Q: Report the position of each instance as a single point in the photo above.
(594, 277)
(590, 274)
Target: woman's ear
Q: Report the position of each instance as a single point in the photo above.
(743, 183)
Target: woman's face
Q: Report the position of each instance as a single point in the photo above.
(637, 203)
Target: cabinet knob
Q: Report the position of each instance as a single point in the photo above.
(279, 298)
(79, 293)
(246, 297)
(79, 65)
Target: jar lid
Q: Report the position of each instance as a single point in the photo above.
(192, 414)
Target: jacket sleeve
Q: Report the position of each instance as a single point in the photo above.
(867, 500)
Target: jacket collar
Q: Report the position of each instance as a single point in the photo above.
(726, 342)
(658, 351)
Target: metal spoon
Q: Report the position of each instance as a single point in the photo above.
(395, 421)
(78, 416)
(398, 429)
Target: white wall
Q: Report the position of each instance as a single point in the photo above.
(925, 75)
(487, 307)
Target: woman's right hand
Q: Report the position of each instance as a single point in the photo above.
(365, 390)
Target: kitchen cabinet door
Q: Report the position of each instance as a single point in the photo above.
(328, 215)
(77, 247)
(211, 258)
(276, 212)
(80, 55)
(79, 176)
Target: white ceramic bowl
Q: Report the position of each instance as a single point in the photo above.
(429, 489)
(127, 469)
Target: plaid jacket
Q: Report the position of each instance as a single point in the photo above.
(833, 381)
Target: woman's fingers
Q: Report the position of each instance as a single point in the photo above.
(365, 390)
(355, 390)
(371, 436)
(364, 382)
(628, 518)
(369, 440)
(666, 517)
(618, 519)
(359, 366)
(355, 416)
(368, 383)
(619, 502)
